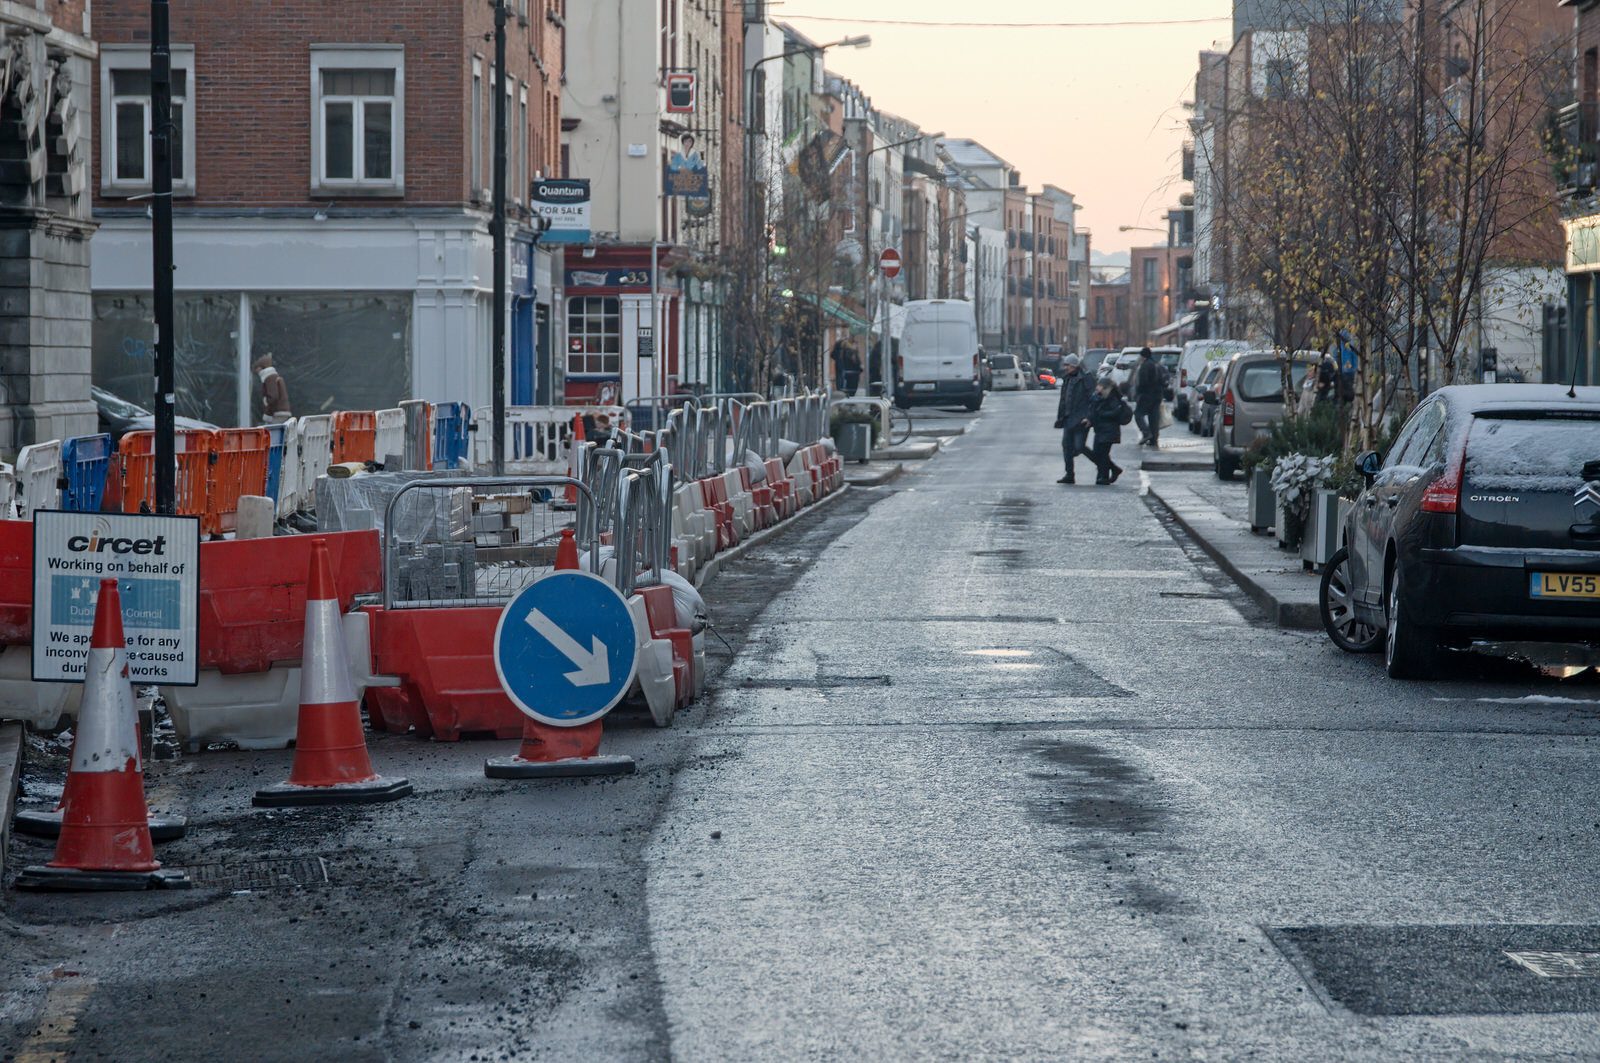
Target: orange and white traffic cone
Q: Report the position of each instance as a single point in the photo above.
(104, 842)
(559, 752)
(331, 766)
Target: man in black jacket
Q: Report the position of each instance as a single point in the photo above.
(1107, 414)
(1072, 415)
(1149, 387)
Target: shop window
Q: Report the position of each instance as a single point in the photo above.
(336, 352)
(205, 358)
(594, 335)
(125, 120)
(358, 119)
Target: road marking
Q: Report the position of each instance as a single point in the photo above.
(63, 1005)
(1554, 964)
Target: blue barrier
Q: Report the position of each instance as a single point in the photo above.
(275, 460)
(451, 421)
(84, 463)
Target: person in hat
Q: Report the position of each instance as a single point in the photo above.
(1072, 414)
(1108, 412)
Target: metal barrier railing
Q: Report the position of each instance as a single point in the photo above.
(464, 541)
(538, 438)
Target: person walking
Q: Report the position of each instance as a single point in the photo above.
(274, 391)
(1149, 388)
(1072, 415)
(1108, 412)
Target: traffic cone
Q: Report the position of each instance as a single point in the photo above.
(104, 841)
(331, 766)
(559, 752)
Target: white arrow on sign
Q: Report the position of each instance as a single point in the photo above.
(594, 668)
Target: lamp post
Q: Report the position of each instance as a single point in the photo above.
(884, 359)
(497, 236)
(161, 247)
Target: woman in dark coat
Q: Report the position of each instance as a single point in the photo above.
(1108, 412)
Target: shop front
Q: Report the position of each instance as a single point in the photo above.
(624, 325)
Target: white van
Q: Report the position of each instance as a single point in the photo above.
(938, 363)
(1197, 354)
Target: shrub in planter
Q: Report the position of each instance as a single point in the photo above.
(1295, 479)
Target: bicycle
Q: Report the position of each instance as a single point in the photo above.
(899, 425)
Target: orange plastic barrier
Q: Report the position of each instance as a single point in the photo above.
(355, 436)
(138, 461)
(238, 467)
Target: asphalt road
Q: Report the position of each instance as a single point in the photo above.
(997, 769)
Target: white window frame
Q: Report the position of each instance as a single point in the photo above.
(137, 57)
(359, 57)
(520, 190)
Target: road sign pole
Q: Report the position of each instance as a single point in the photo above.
(161, 244)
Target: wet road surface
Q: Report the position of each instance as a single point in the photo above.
(998, 768)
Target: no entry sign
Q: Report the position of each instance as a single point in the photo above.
(889, 263)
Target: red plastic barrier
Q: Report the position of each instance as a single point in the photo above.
(663, 617)
(16, 582)
(253, 594)
(445, 661)
(355, 436)
(238, 467)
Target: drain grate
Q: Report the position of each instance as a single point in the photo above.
(821, 682)
(261, 874)
(1547, 964)
(1209, 596)
(1491, 969)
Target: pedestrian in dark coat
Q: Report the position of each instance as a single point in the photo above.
(1149, 388)
(1108, 412)
(1072, 415)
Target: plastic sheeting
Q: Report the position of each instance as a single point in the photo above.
(336, 352)
(360, 502)
(205, 354)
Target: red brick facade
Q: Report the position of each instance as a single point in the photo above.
(252, 106)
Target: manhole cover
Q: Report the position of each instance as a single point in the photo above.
(1450, 970)
(260, 874)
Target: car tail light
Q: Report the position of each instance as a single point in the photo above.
(1227, 410)
(1444, 494)
(974, 365)
(1183, 378)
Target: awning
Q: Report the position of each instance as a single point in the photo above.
(1177, 326)
(834, 309)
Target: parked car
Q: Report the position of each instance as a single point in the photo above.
(1196, 356)
(1007, 373)
(1250, 401)
(1122, 367)
(1481, 524)
(1202, 417)
(1092, 360)
(1030, 376)
(117, 415)
(938, 359)
(1047, 379)
(1050, 359)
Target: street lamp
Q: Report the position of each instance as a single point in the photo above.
(884, 361)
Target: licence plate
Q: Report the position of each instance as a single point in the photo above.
(1564, 585)
(923, 387)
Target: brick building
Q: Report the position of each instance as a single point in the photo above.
(1109, 326)
(45, 227)
(332, 173)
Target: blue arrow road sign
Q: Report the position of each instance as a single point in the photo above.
(565, 649)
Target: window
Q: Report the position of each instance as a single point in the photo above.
(1416, 439)
(519, 190)
(1280, 79)
(1149, 273)
(358, 118)
(126, 118)
(594, 335)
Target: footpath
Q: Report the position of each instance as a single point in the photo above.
(1212, 513)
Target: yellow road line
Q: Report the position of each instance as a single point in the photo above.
(63, 1005)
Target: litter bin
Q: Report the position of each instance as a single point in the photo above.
(854, 442)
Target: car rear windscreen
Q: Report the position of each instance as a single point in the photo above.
(1263, 381)
(1531, 453)
(1003, 361)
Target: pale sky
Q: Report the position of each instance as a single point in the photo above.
(1094, 111)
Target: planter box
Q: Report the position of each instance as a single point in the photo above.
(1322, 538)
(1263, 502)
(854, 441)
(1282, 526)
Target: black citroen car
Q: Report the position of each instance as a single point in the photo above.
(1481, 524)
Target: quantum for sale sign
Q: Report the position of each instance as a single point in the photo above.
(156, 563)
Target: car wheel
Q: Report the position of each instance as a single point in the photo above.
(1409, 651)
(1336, 602)
(975, 404)
(1225, 465)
